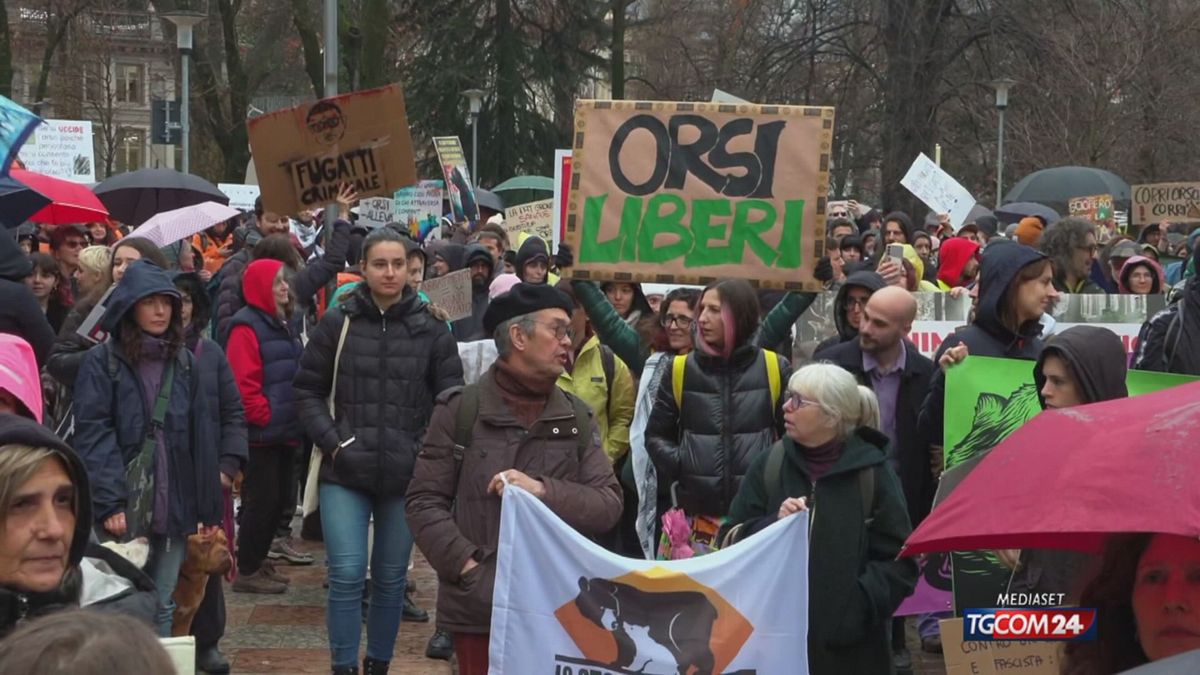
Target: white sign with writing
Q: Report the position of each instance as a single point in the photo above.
(938, 189)
(63, 149)
(375, 211)
(241, 197)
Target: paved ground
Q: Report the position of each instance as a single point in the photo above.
(285, 634)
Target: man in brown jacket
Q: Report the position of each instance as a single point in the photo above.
(522, 426)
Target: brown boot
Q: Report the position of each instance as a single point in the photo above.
(274, 574)
(258, 582)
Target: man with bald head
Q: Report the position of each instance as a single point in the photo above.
(882, 358)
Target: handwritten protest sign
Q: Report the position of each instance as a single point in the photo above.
(562, 189)
(451, 292)
(420, 208)
(303, 154)
(938, 189)
(690, 192)
(459, 187)
(1156, 202)
(1098, 209)
(375, 211)
(63, 149)
(536, 218)
(241, 197)
(990, 658)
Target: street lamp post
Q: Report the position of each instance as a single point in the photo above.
(1001, 86)
(475, 104)
(184, 21)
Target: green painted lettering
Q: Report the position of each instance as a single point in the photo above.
(704, 231)
(790, 255)
(749, 231)
(590, 248)
(657, 222)
(631, 217)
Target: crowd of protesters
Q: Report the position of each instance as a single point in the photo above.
(142, 389)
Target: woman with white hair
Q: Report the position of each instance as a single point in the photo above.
(832, 464)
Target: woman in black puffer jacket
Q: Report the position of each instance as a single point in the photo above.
(385, 359)
(729, 412)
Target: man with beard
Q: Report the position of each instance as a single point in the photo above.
(481, 263)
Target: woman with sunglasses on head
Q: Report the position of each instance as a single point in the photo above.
(715, 410)
(832, 463)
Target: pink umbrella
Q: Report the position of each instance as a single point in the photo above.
(169, 227)
(69, 202)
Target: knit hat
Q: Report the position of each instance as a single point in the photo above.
(1029, 230)
(502, 284)
(524, 299)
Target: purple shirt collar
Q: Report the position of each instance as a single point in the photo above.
(871, 365)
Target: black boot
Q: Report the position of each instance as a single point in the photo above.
(345, 670)
(441, 646)
(373, 667)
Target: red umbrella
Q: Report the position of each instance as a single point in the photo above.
(1068, 478)
(69, 202)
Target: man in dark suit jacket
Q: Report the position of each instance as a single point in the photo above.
(882, 359)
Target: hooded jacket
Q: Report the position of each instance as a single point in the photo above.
(455, 255)
(953, 257)
(1170, 341)
(845, 332)
(393, 365)
(855, 580)
(20, 313)
(639, 308)
(470, 328)
(918, 265)
(112, 414)
(17, 604)
(19, 374)
(987, 336)
(264, 357)
(905, 224)
(532, 249)
(1156, 270)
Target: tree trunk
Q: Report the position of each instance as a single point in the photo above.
(617, 71)
(310, 44)
(501, 148)
(376, 27)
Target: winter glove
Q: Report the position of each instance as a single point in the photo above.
(564, 258)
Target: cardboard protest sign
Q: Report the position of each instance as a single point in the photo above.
(375, 211)
(1099, 210)
(241, 197)
(562, 188)
(303, 154)
(451, 292)
(536, 218)
(692, 192)
(459, 188)
(420, 208)
(1156, 202)
(63, 149)
(1023, 657)
(938, 190)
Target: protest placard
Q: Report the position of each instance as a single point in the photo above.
(1023, 657)
(241, 197)
(451, 292)
(420, 208)
(536, 218)
(720, 96)
(1156, 202)
(63, 149)
(375, 211)
(692, 192)
(1099, 210)
(459, 188)
(302, 155)
(562, 189)
(938, 190)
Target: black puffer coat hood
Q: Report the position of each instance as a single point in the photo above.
(141, 280)
(1095, 356)
(14, 264)
(863, 279)
(532, 249)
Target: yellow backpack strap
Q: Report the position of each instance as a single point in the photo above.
(678, 365)
(773, 375)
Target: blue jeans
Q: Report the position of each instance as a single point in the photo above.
(345, 514)
(166, 557)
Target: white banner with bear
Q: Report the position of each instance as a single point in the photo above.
(565, 606)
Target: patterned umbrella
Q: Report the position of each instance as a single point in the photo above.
(135, 197)
(169, 227)
(69, 202)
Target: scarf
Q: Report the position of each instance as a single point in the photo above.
(524, 396)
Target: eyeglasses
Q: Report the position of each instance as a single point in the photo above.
(795, 401)
(684, 322)
(561, 330)
(73, 243)
(852, 301)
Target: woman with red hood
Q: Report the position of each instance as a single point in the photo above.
(1141, 275)
(264, 356)
(958, 263)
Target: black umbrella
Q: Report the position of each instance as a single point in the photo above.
(1055, 187)
(1014, 212)
(489, 200)
(135, 197)
(18, 202)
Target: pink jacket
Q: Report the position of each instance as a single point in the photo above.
(19, 374)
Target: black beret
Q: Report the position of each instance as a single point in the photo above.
(524, 299)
